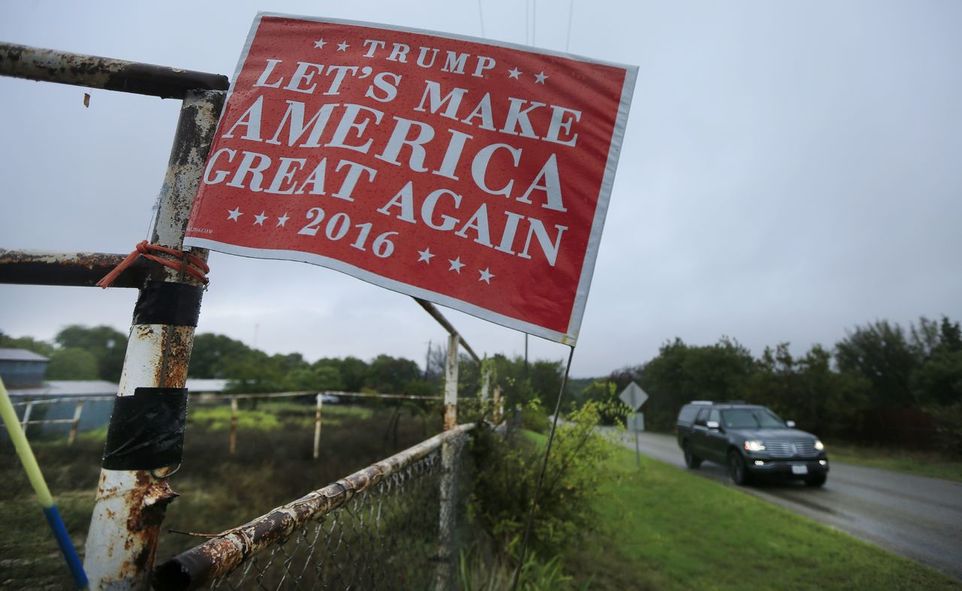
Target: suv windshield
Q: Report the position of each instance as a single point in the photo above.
(750, 418)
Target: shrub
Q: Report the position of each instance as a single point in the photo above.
(506, 483)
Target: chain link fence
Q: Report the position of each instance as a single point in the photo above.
(379, 528)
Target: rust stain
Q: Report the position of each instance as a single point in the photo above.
(146, 503)
(177, 344)
(143, 331)
(450, 416)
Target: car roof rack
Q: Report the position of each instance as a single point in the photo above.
(701, 402)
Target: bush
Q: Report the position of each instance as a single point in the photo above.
(511, 465)
(534, 417)
(948, 427)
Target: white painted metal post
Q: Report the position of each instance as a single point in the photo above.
(451, 384)
(75, 423)
(498, 412)
(317, 425)
(26, 417)
(445, 569)
(133, 492)
(485, 393)
(232, 438)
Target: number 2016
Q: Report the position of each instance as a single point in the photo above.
(339, 225)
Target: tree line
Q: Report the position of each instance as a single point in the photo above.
(87, 353)
(881, 384)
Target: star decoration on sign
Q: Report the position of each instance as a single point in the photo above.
(259, 219)
(514, 73)
(342, 46)
(319, 44)
(282, 221)
(425, 255)
(456, 265)
(540, 77)
(486, 275)
(234, 214)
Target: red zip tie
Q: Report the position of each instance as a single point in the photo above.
(194, 266)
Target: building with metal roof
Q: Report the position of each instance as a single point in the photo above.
(20, 368)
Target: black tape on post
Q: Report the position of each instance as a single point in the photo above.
(175, 304)
(147, 430)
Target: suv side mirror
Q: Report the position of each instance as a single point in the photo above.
(790, 424)
(712, 424)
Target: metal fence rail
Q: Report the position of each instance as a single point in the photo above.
(375, 529)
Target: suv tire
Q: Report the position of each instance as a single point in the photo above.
(691, 460)
(736, 468)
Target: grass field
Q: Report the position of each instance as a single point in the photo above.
(658, 527)
(661, 528)
(921, 463)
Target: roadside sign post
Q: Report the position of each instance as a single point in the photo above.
(633, 396)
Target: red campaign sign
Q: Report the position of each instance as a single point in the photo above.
(469, 173)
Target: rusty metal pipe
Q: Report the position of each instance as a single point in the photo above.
(132, 496)
(220, 555)
(71, 269)
(48, 65)
(446, 519)
(451, 384)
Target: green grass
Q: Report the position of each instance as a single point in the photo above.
(271, 416)
(661, 528)
(920, 463)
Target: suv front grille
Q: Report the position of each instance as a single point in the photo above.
(788, 449)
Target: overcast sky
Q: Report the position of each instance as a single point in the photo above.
(790, 170)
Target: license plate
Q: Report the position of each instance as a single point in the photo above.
(799, 469)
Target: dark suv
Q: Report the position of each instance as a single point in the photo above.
(751, 440)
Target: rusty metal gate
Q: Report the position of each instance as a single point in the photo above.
(145, 439)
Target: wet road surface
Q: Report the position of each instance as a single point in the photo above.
(913, 516)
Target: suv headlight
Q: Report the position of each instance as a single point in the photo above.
(754, 445)
(819, 446)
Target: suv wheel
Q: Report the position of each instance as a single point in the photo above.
(815, 481)
(736, 468)
(691, 460)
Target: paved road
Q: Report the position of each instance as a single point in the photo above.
(914, 516)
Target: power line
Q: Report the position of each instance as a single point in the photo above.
(481, 17)
(534, 22)
(571, 12)
(527, 22)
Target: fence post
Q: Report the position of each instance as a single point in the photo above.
(26, 417)
(445, 569)
(139, 455)
(451, 384)
(317, 425)
(485, 393)
(75, 424)
(232, 438)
